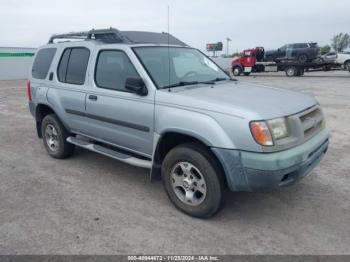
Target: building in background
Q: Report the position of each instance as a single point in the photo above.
(15, 62)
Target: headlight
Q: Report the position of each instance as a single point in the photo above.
(264, 131)
(261, 133)
(278, 128)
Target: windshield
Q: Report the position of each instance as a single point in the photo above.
(177, 66)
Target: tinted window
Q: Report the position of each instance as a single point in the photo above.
(112, 69)
(42, 62)
(73, 65)
(77, 65)
(62, 68)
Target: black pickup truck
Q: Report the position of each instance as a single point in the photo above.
(302, 52)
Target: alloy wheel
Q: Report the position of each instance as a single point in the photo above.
(51, 137)
(188, 183)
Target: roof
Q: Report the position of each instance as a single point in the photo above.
(140, 37)
(113, 35)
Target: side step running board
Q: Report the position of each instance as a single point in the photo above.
(131, 160)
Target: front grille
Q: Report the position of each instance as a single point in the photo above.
(311, 121)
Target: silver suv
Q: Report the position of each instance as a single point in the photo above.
(149, 100)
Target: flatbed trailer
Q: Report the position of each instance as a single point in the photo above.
(252, 61)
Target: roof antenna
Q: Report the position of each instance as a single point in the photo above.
(168, 52)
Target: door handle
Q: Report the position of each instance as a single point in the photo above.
(51, 76)
(93, 97)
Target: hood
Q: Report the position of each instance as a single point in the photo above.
(244, 100)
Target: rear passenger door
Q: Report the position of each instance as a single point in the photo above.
(115, 114)
(68, 91)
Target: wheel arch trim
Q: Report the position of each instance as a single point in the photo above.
(155, 173)
(38, 121)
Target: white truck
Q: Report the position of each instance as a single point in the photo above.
(343, 59)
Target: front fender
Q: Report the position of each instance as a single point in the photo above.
(196, 124)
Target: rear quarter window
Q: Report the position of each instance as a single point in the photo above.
(42, 62)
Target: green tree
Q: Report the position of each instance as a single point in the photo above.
(340, 42)
(325, 49)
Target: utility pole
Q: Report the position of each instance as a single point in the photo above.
(228, 40)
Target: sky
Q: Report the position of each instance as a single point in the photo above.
(248, 23)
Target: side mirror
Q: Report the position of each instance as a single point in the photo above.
(136, 85)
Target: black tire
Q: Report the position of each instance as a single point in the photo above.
(302, 58)
(291, 71)
(63, 149)
(300, 72)
(236, 71)
(327, 68)
(247, 73)
(204, 162)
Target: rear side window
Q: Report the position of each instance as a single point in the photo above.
(112, 69)
(73, 65)
(43, 62)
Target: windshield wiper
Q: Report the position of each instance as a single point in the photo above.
(186, 83)
(220, 79)
(212, 81)
(181, 83)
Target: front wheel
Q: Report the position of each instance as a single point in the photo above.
(236, 71)
(192, 180)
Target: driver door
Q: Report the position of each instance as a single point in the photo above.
(115, 114)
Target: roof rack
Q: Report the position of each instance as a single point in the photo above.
(112, 35)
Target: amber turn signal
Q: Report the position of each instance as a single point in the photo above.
(261, 133)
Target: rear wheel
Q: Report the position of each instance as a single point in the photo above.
(54, 137)
(302, 58)
(192, 180)
(300, 72)
(236, 71)
(291, 71)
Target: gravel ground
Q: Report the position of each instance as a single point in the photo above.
(90, 204)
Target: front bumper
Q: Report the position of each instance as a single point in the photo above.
(247, 171)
